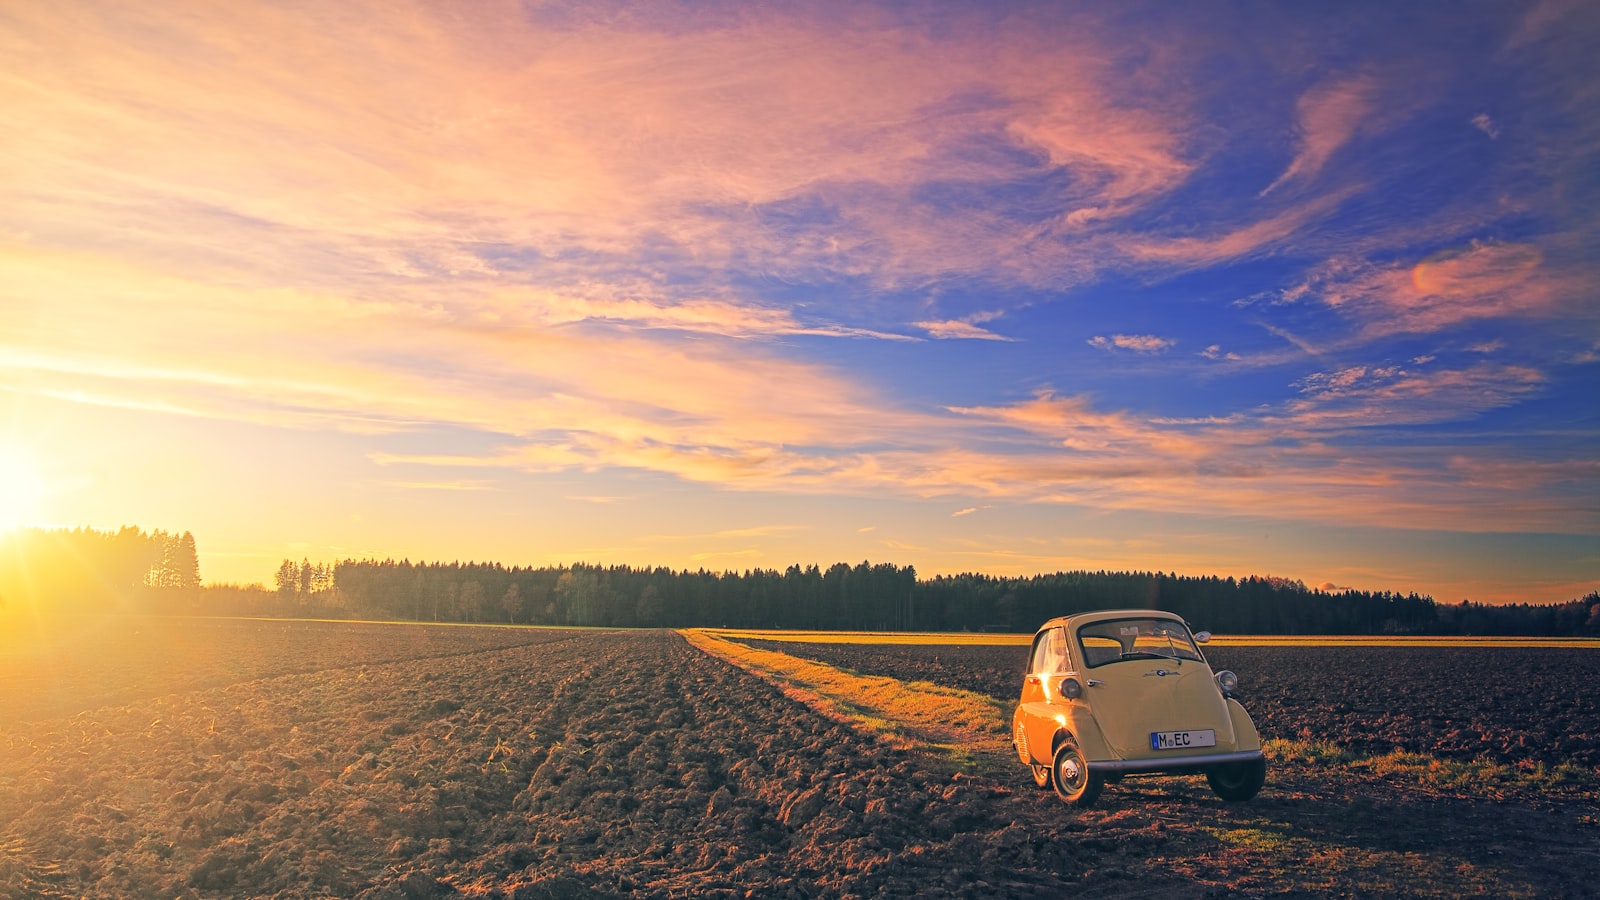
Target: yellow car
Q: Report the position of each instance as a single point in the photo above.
(1127, 692)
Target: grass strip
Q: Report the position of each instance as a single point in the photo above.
(965, 728)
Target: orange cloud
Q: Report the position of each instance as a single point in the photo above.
(1249, 239)
(1478, 281)
(960, 329)
(585, 395)
(399, 140)
(1329, 117)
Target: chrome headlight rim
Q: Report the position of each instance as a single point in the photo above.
(1227, 682)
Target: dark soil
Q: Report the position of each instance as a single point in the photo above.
(624, 763)
(406, 762)
(1511, 705)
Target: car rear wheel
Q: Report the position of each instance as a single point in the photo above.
(1041, 776)
(1074, 782)
(1238, 781)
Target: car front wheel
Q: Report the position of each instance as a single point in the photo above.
(1069, 772)
(1238, 781)
(1041, 776)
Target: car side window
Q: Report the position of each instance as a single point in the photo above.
(1051, 653)
(1063, 651)
(1036, 658)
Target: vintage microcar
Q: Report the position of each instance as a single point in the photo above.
(1127, 692)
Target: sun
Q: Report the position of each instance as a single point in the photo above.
(21, 488)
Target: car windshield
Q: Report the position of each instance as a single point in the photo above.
(1115, 640)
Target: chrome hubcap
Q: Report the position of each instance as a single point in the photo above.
(1070, 771)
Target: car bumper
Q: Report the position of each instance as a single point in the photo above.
(1171, 764)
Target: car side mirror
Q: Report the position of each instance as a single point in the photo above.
(1202, 637)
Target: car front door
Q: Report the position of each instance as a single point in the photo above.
(1038, 716)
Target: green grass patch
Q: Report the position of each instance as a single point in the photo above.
(1480, 777)
(1306, 753)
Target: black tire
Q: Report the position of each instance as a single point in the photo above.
(1041, 776)
(1236, 782)
(1075, 783)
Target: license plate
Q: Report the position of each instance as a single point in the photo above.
(1182, 740)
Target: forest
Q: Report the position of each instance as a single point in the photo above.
(84, 570)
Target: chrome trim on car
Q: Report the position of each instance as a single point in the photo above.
(1172, 763)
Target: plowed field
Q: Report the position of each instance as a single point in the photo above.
(245, 759)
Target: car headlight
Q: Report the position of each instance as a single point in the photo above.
(1071, 689)
(1228, 681)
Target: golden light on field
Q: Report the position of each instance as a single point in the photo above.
(21, 488)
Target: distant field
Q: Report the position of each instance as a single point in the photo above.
(986, 639)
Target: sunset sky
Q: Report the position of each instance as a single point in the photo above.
(1307, 290)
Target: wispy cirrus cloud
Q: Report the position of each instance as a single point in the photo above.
(467, 485)
(1330, 115)
(1242, 241)
(433, 143)
(514, 307)
(760, 531)
(244, 354)
(967, 327)
(1397, 395)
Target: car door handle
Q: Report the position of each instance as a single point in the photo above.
(1094, 682)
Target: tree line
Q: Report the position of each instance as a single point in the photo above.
(883, 597)
(81, 569)
(130, 569)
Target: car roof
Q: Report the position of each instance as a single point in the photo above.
(1102, 615)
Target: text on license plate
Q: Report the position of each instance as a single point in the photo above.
(1182, 740)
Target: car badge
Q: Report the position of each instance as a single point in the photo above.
(1160, 673)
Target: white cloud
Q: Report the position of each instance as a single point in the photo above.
(1138, 343)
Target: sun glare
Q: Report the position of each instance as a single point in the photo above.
(21, 489)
